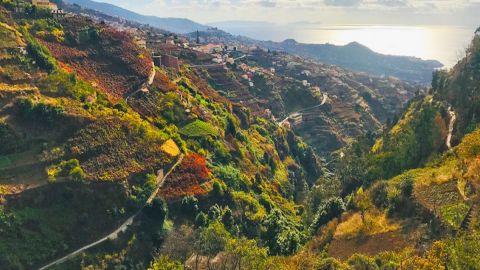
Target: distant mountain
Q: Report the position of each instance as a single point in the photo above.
(357, 57)
(177, 25)
(353, 56)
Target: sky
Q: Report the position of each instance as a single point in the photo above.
(396, 12)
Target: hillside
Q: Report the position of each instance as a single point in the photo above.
(82, 149)
(415, 191)
(176, 25)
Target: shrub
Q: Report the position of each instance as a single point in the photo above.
(227, 218)
(379, 195)
(232, 177)
(41, 56)
(201, 220)
(67, 168)
(217, 190)
(77, 174)
(122, 107)
(358, 261)
(164, 263)
(215, 212)
(157, 210)
(43, 112)
(190, 205)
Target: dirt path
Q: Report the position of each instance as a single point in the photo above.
(453, 118)
(113, 235)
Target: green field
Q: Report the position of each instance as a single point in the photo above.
(199, 128)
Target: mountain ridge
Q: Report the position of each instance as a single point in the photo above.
(177, 25)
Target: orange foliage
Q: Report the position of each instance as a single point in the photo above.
(188, 178)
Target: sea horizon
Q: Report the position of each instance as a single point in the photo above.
(443, 43)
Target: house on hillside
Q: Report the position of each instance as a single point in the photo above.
(307, 73)
(58, 13)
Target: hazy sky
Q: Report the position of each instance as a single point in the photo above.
(449, 12)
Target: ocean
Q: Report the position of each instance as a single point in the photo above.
(446, 44)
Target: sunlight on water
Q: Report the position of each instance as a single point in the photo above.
(446, 44)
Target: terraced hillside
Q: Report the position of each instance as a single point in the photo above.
(355, 104)
(78, 158)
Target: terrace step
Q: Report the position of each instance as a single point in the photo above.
(466, 224)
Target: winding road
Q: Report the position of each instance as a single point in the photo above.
(113, 235)
(325, 97)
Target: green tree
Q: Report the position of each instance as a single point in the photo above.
(213, 239)
(201, 220)
(332, 208)
(281, 235)
(245, 254)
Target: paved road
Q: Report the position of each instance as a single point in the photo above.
(113, 235)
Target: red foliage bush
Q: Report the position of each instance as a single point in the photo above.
(187, 178)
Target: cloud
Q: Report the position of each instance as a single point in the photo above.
(342, 3)
(265, 3)
(392, 3)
